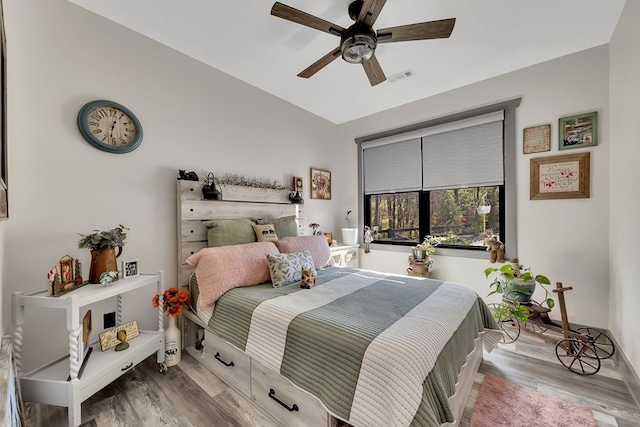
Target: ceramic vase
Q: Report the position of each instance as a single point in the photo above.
(172, 343)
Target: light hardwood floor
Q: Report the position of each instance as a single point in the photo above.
(143, 397)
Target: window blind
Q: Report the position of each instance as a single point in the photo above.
(464, 154)
(392, 168)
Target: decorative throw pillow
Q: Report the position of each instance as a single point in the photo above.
(265, 233)
(285, 226)
(316, 245)
(226, 232)
(228, 267)
(287, 268)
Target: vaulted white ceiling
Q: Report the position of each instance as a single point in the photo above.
(491, 37)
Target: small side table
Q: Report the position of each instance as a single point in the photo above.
(420, 267)
(345, 255)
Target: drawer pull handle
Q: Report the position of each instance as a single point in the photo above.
(217, 356)
(272, 394)
(127, 367)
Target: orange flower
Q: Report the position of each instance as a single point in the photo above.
(172, 301)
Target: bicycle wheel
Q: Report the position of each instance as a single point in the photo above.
(578, 356)
(508, 324)
(602, 343)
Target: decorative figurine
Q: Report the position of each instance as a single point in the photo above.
(65, 276)
(368, 238)
(107, 278)
(122, 337)
(187, 176)
(78, 271)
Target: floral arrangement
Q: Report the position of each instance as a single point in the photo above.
(348, 220)
(98, 240)
(172, 301)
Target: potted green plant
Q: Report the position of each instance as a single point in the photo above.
(427, 247)
(516, 287)
(102, 245)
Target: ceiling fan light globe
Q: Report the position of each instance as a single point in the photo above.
(358, 48)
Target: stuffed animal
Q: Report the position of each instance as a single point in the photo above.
(496, 249)
(308, 279)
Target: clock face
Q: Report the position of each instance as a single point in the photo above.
(110, 127)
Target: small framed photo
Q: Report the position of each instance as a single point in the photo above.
(536, 139)
(566, 176)
(297, 184)
(130, 268)
(578, 131)
(320, 184)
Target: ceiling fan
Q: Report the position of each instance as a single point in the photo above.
(358, 42)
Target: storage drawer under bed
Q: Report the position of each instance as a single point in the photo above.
(284, 401)
(226, 361)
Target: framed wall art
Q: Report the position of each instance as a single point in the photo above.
(578, 131)
(130, 268)
(560, 177)
(297, 184)
(536, 139)
(320, 184)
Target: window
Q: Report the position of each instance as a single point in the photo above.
(453, 216)
(445, 178)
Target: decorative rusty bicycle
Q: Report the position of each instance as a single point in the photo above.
(580, 350)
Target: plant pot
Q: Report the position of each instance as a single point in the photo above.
(350, 236)
(519, 291)
(419, 254)
(103, 260)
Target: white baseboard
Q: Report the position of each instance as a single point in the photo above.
(629, 375)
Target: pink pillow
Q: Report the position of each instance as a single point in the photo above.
(226, 267)
(317, 245)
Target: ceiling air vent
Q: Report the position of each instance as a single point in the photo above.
(400, 76)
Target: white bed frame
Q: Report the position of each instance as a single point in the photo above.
(228, 362)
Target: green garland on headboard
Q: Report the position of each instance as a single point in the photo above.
(244, 181)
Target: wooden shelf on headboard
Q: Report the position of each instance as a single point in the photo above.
(238, 202)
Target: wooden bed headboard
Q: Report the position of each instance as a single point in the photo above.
(238, 202)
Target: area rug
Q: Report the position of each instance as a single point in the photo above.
(505, 404)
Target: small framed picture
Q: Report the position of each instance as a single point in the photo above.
(130, 268)
(536, 139)
(320, 184)
(578, 131)
(297, 184)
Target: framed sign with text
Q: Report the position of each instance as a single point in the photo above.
(560, 177)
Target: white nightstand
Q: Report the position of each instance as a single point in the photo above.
(58, 382)
(345, 255)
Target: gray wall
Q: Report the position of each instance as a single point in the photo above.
(556, 238)
(194, 118)
(624, 316)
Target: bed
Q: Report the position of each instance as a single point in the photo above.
(308, 356)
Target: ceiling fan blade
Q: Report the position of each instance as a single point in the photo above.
(374, 71)
(370, 11)
(320, 63)
(299, 17)
(425, 30)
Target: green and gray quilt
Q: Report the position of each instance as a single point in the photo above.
(376, 349)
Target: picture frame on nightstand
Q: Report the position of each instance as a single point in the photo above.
(130, 268)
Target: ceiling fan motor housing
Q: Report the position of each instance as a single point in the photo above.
(358, 44)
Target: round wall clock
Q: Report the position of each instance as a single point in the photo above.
(110, 126)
